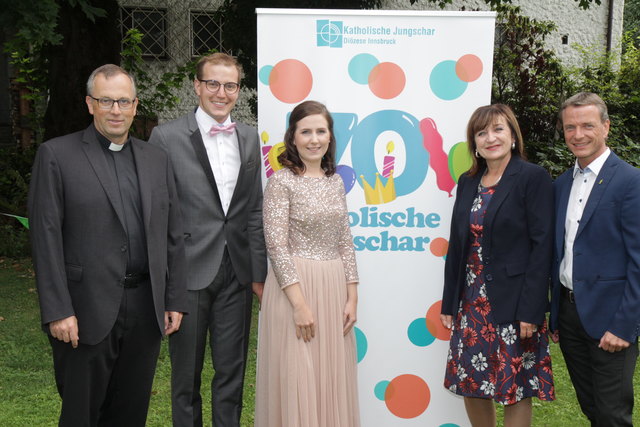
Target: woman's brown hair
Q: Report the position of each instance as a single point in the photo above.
(290, 158)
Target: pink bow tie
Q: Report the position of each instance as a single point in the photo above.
(216, 129)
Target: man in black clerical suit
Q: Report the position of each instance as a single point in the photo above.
(109, 258)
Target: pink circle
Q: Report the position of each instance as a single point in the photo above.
(386, 80)
(290, 81)
(469, 68)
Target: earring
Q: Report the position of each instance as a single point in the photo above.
(477, 154)
(513, 145)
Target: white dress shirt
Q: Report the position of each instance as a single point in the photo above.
(224, 156)
(583, 180)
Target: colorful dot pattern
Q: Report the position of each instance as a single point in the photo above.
(291, 81)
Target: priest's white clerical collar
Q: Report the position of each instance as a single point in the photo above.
(115, 147)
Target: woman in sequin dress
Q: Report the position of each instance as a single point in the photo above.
(497, 275)
(306, 346)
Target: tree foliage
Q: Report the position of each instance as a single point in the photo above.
(632, 20)
(529, 77)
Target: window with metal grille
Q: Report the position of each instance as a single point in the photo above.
(206, 33)
(152, 23)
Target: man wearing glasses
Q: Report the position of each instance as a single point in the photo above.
(217, 168)
(108, 252)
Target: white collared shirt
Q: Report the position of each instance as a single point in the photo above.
(583, 180)
(224, 156)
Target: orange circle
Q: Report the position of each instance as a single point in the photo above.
(407, 396)
(434, 325)
(439, 246)
(469, 68)
(386, 80)
(290, 81)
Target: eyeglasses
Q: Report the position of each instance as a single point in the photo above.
(107, 103)
(213, 85)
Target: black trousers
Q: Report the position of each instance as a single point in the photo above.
(109, 384)
(603, 380)
(222, 311)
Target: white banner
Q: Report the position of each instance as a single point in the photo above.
(401, 86)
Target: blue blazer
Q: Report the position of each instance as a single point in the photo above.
(606, 252)
(517, 244)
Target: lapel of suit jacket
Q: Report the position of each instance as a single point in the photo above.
(201, 154)
(241, 134)
(146, 176)
(502, 190)
(106, 176)
(563, 188)
(466, 201)
(602, 181)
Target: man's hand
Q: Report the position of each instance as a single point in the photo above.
(555, 336)
(65, 330)
(172, 320)
(258, 288)
(612, 343)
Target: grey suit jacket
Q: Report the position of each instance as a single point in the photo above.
(206, 226)
(79, 240)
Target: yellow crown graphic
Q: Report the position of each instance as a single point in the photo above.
(380, 193)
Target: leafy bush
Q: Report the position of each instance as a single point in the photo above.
(531, 79)
(618, 83)
(15, 163)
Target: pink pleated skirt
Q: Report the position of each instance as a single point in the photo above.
(310, 384)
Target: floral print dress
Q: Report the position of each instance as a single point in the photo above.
(489, 360)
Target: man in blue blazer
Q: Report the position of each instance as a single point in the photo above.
(595, 311)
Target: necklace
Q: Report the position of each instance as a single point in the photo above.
(492, 185)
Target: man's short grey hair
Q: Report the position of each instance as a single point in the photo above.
(109, 70)
(586, 98)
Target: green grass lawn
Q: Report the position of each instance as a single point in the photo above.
(28, 396)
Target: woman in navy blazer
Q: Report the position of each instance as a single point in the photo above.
(497, 274)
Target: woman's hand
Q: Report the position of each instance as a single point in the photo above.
(303, 319)
(349, 316)
(527, 330)
(447, 320)
(302, 315)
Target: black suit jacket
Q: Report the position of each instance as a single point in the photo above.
(79, 240)
(516, 246)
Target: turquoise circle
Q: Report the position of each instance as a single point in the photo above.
(361, 343)
(360, 66)
(380, 389)
(418, 333)
(444, 81)
(263, 74)
(449, 425)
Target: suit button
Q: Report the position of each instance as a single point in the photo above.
(489, 277)
(123, 248)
